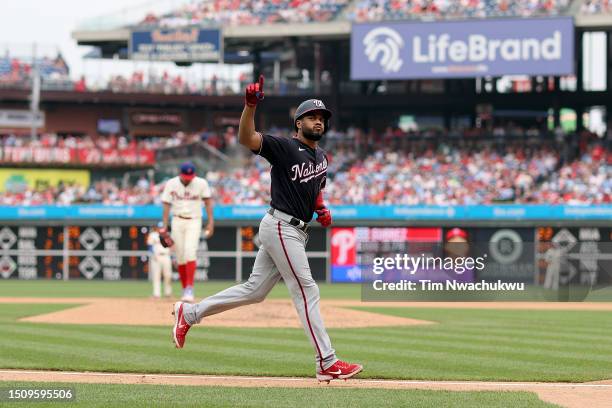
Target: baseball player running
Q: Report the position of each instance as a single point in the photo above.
(184, 194)
(298, 173)
(161, 265)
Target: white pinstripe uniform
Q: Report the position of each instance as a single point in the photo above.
(186, 208)
(161, 265)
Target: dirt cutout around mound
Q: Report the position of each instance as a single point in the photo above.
(270, 313)
(150, 312)
(593, 395)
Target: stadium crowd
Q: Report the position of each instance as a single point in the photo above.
(596, 6)
(253, 12)
(250, 12)
(219, 140)
(107, 192)
(417, 168)
(16, 71)
(587, 180)
(168, 84)
(377, 10)
(442, 174)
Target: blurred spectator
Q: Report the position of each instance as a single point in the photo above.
(377, 10)
(80, 85)
(596, 6)
(249, 12)
(584, 181)
(368, 168)
(18, 72)
(118, 142)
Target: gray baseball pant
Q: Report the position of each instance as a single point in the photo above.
(282, 254)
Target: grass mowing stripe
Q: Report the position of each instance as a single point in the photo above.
(438, 345)
(493, 316)
(486, 341)
(162, 337)
(108, 354)
(486, 345)
(545, 330)
(525, 356)
(450, 334)
(143, 289)
(505, 318)
(450, 359)
(112, 395)
(228, 361)
(137, 347)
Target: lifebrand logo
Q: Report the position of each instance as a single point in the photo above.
(386, 42)
(479, 48)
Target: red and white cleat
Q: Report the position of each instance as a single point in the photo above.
(181, 327)
(339, 370)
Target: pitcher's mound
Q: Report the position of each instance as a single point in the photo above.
(270, 313)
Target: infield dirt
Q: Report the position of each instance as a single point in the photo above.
(593, 395)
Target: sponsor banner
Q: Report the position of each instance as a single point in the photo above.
(17, 180)
(156, 119)
(114, 156)
(340, 213)
(13, 118)
(356, 252)
(186, 44)
(37, 155)
(76, 156)
(462, 49)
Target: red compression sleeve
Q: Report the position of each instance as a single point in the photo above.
(190, 269)
(183, 275)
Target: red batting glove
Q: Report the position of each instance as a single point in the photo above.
(254, 92)
(324, 217)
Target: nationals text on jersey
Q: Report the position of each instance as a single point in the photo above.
(305, 173)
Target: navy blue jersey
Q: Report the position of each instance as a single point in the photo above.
(298, 174)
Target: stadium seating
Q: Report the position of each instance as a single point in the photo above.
(415, 169)
(47, 66)
(231, 12)
(377, 10)
(596, 6)
(17, 73)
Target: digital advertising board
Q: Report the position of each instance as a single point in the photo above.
(462, 49)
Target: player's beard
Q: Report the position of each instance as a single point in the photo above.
(310, 134)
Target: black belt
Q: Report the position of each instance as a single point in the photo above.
(296, 222)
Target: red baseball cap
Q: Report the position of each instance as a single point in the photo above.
(188, 171)
(456, 232)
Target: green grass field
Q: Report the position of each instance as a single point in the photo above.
(142, 289)
(466, 344)
(97, 395)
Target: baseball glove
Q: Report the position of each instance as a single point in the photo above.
(165, 239)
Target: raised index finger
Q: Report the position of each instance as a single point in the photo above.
(261, 82)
